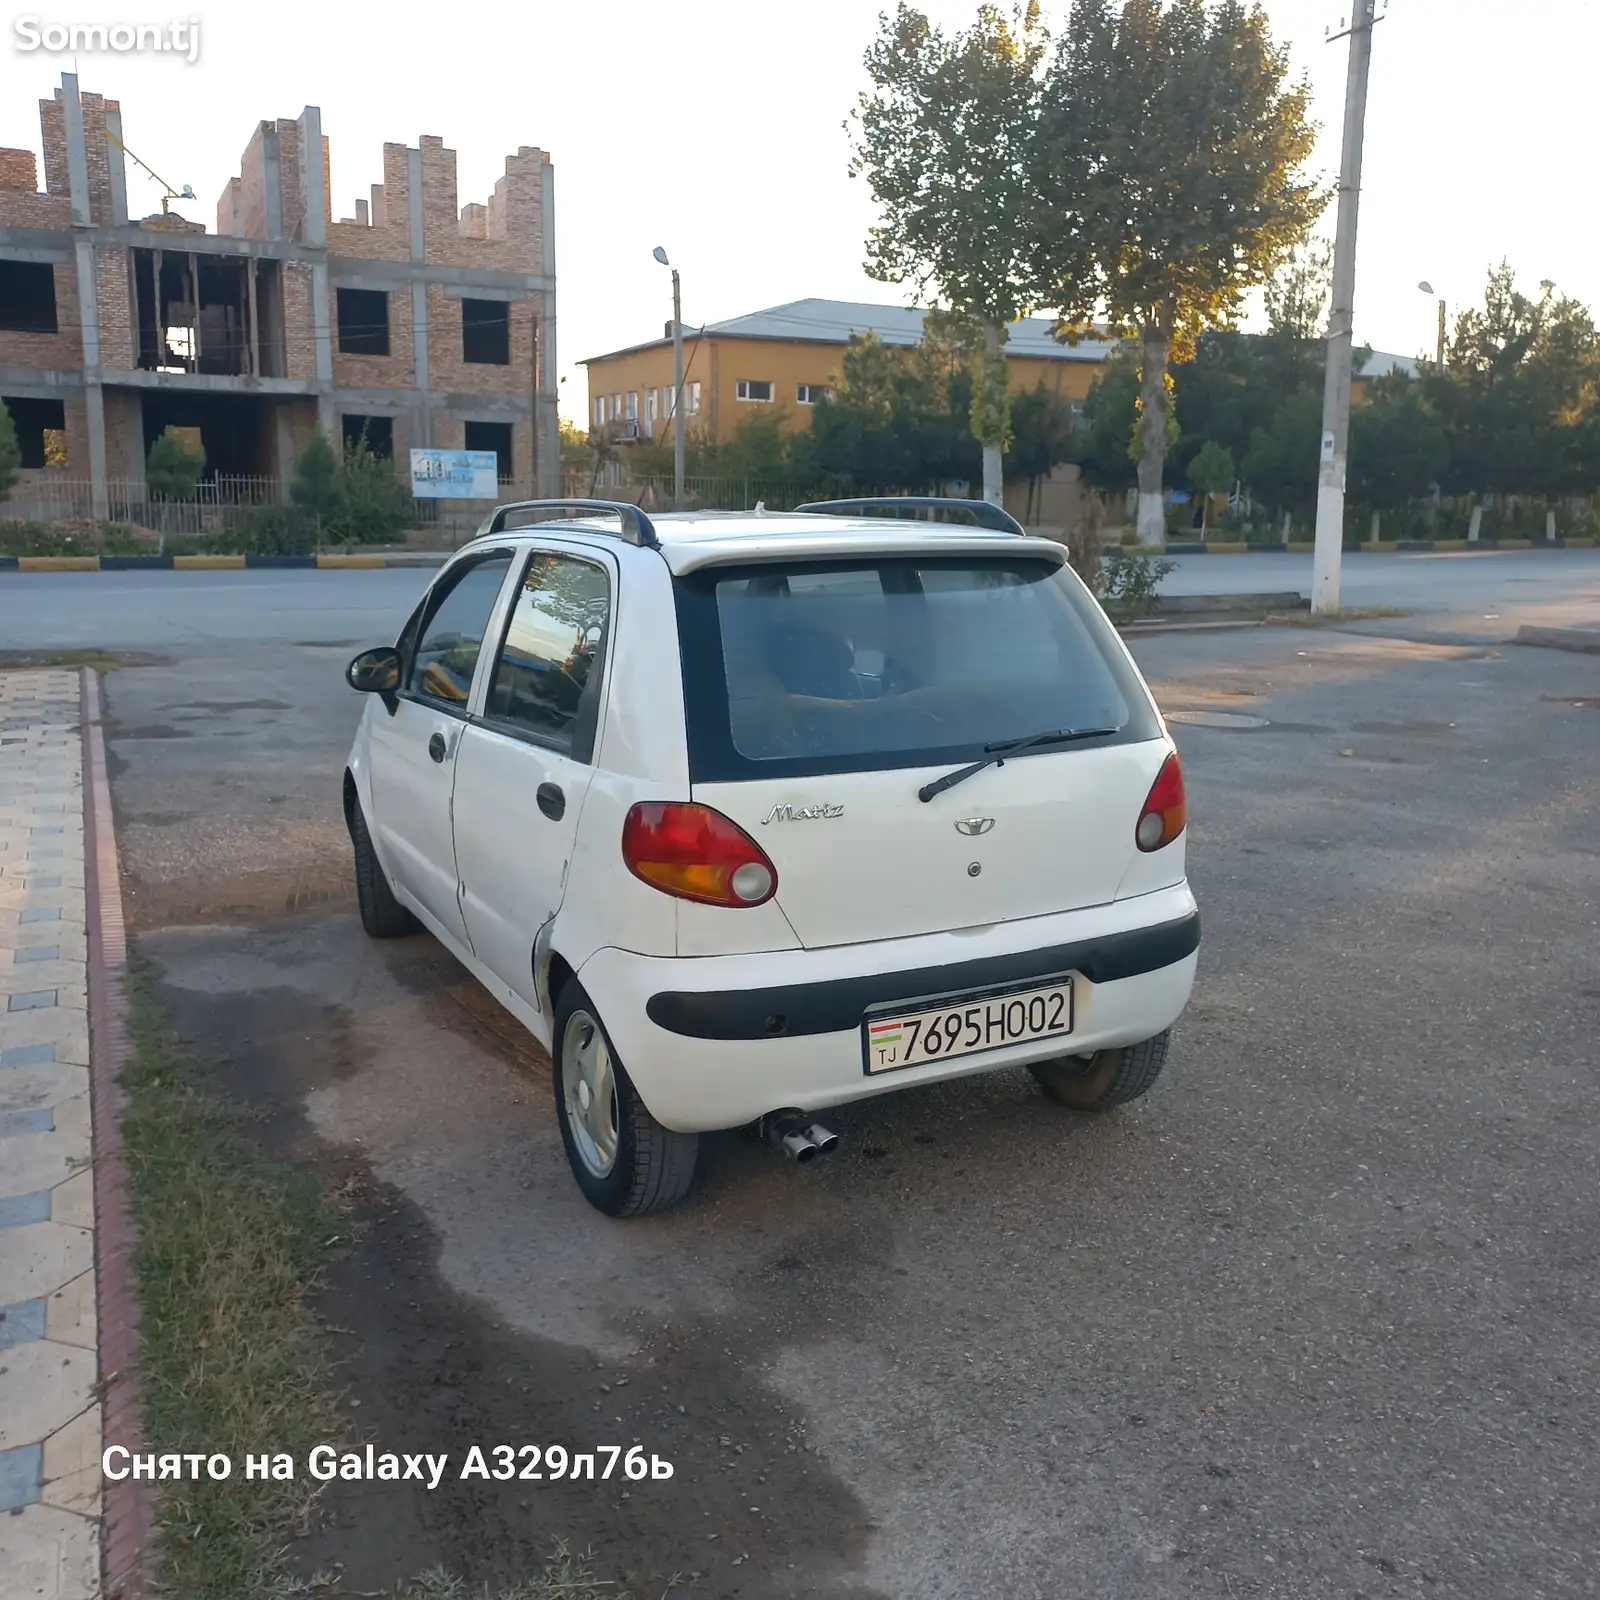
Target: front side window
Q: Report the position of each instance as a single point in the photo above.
(808, 394)
(452, 635)
(691, 399)
(889, 662)
(546, 678)
(755, 389)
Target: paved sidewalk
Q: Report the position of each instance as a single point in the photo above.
(50, 1415)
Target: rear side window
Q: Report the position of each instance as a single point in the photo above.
(854, 665)
(452, 635)
(547, 678)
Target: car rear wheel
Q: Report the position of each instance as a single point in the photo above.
(381, 914)
(1105, 1079)
(625, 1162)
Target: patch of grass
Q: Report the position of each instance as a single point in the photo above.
(1307, 619)
(230, 1355)
(565, 1577)
(100, 660)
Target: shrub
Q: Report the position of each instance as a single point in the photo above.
(10, 453)
(372, 504)
(1132, 580)
(174, 466)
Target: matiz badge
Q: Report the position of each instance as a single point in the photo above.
(801, 813)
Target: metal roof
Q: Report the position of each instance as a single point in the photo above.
(833, 322)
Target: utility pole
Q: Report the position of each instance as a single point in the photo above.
(1336, 391)
(660, 255)
(677, 395)
(1441, 333)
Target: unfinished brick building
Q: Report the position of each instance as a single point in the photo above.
(415, 323)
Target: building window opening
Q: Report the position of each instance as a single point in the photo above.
(376, 432)
(494, 436)
(363, 322)
(27, 297)
(41, 430)
(486, 332)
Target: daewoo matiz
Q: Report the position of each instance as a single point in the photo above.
(745, 816)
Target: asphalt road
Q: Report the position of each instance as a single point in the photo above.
(1320, 1316)
(1485, 595)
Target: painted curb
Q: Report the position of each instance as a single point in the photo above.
(1586, 640)
(126, 1506)
(428, 559)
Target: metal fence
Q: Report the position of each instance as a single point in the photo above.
(52, 499)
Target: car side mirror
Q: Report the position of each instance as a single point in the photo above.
(375, 671)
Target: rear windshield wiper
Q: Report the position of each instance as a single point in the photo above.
(1008, 747)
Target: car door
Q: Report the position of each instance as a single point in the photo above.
(413, 747)
(523, 767)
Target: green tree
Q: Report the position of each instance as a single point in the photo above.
(1171, 136)
(1398, 447)
(897, 421)
(174, 466)
(315, 485)
(1281, 466)
(945, 139)
(1044, 433)
(1107, 440)
(1210, 473)
(10, 453)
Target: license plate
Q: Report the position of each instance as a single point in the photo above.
(966, 1025)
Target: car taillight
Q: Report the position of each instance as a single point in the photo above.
(1166, 809)
(697, 854)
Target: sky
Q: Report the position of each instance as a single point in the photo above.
(716, 128)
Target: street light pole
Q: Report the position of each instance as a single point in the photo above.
(677, 382)
(1427, 289)
(1336, 391)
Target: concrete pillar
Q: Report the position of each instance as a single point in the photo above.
(119, 172)
(94, 396)
(77, 153)
(313, 194)
(546, 418)
(272, 180)
(419, 300)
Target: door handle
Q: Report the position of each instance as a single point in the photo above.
(436, 747)
(551, 801)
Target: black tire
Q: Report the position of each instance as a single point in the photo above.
(381, 914)
(1105, 1079)
(651, 1167)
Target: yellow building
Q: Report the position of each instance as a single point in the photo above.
(785, 358)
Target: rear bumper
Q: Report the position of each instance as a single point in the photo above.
(715, 1042)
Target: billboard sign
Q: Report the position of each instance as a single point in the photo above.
(455, 475)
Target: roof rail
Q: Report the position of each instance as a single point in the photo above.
(983, 512)
(636, 526)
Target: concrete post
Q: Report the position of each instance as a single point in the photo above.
(546, 416)
(1336, 390)
(119, 172)
(419, 300)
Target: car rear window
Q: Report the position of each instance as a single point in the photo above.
(853, 665)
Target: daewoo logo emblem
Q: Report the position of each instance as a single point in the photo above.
(801, 813)
(973, 826)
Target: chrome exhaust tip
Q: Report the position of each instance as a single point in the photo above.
(825, 1139)
(797, 1147)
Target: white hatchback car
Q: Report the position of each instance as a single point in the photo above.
(744, 816)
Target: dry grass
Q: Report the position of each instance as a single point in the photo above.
(1332, 619)
(230, 1357)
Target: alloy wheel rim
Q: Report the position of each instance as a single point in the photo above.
(589, 1092)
